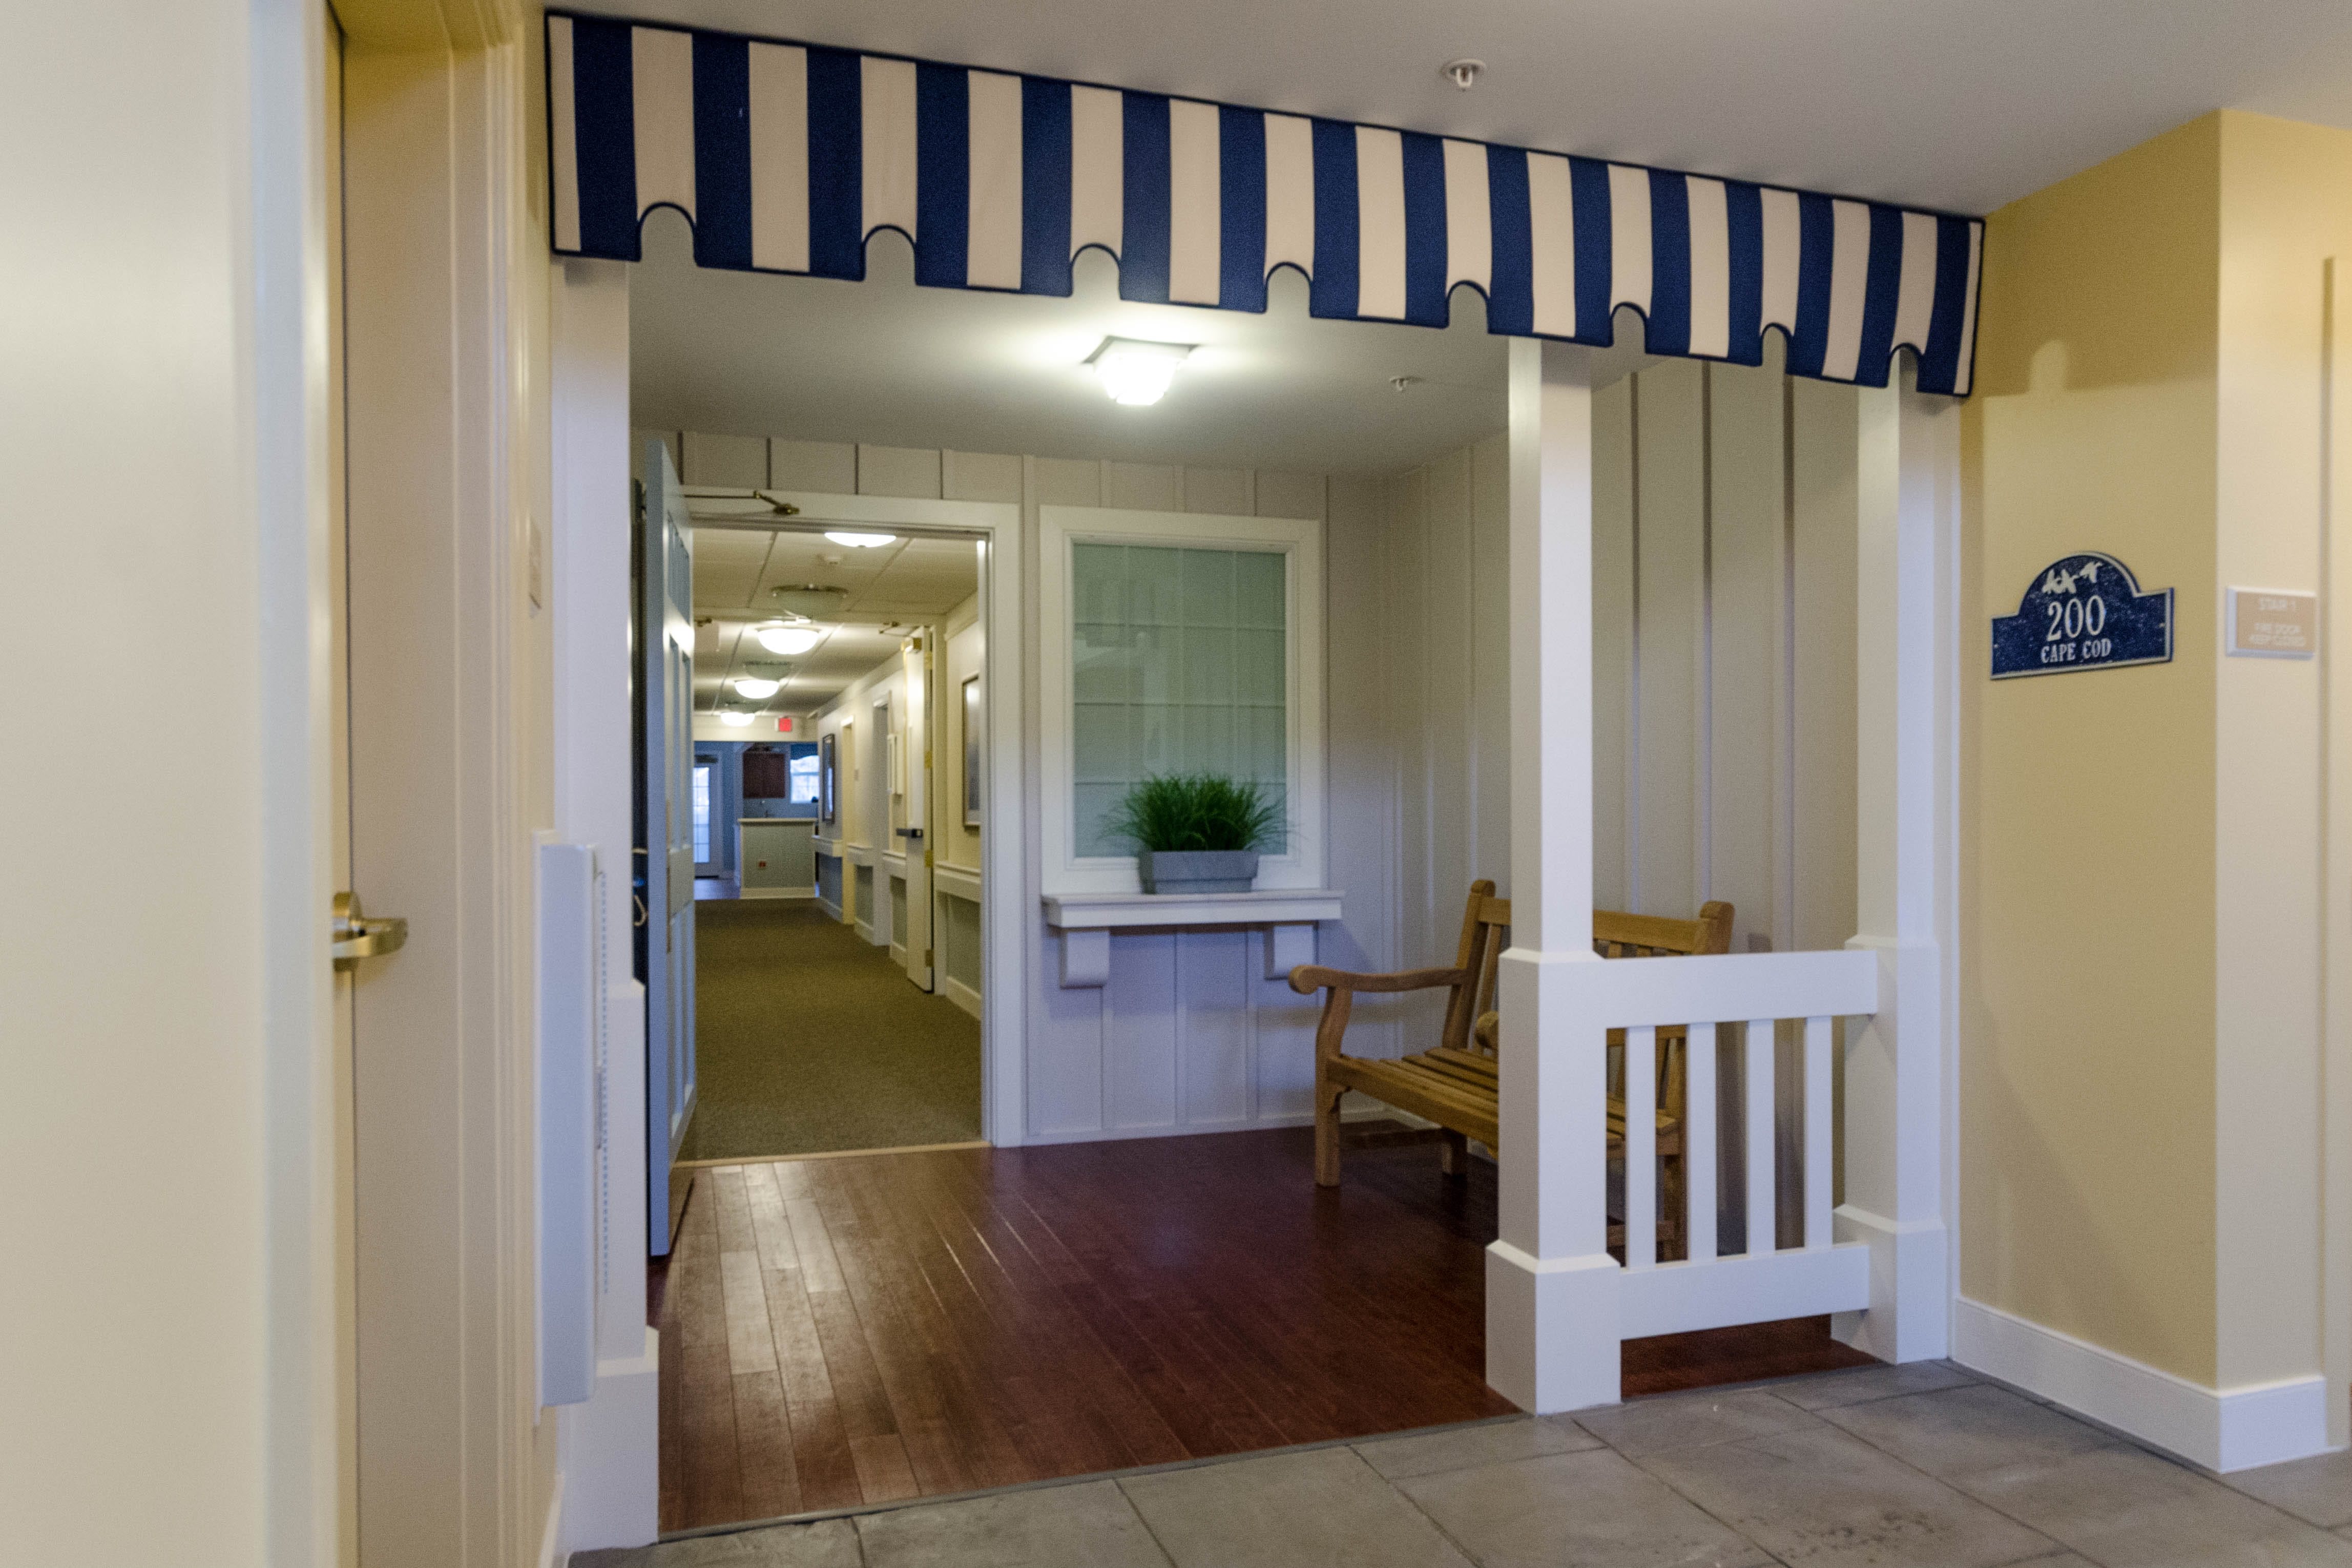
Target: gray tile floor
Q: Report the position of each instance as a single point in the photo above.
(1919, 1465)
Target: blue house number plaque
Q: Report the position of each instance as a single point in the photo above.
(2084, 612)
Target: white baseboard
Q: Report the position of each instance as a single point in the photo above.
(828, 907)
(551, 1532)
(2221, 1429)
(961, 994)
(776, 892)
(612, 1493)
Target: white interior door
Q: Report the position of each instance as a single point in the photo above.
(665, 876)
(914, 822)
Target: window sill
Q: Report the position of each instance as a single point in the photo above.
(1085, 921)
(1156, 911)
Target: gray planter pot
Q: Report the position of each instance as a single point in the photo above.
(1198, 871)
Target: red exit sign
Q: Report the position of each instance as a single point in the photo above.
(784, 726)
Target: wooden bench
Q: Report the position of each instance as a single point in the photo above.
(1455, 1085)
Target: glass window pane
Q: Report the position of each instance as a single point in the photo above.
(1179, 663)
(1258, 589)
(1258, 672)
(1102, 662)
(1208, 587)
(702, 814)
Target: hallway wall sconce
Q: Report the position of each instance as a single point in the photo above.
(1136, 373)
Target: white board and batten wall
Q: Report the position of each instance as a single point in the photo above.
(1724, 628)
(1724, 752)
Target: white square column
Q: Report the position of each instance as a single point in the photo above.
(1552, 1287)
(1898, 1060)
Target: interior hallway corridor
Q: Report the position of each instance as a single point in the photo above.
(811, 1039)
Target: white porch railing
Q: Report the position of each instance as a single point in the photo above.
(1766, 1282)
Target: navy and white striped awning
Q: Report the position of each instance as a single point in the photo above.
(787, 157)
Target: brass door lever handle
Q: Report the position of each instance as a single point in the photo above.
(356, 937)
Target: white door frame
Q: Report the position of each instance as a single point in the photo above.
(446, 304)
(1005, 911)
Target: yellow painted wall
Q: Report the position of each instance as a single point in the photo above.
(2143, 1083)
(2087, 801)
(2286, 209)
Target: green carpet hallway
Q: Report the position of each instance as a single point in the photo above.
(811, 1039)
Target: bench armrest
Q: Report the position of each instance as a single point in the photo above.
(1309, 977)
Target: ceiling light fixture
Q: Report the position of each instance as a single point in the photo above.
(755, 688)
(788, 639)
(734, 718)
(1135, 373)
(860, 541)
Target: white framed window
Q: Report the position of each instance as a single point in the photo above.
(1177, 641)
(702, 813)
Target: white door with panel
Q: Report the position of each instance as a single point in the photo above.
(665, 871)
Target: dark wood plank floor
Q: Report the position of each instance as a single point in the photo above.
(864, 1329)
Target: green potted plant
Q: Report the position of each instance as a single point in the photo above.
(1197, 833)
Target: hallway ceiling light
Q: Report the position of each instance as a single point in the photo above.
(860, 541)
(1135, 373)
(755, 688)
(789, 639)
(738, 719)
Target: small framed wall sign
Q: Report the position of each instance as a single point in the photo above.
(2083, 612)
(972, 722)
(2272, 623)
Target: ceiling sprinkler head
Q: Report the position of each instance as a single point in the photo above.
(1463, 73)
(1403, 383)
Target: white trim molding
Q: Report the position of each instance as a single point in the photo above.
(2221, 1429)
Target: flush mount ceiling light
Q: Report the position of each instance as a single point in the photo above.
(755, 688)
(737, 719)
(860, 541)
(1135, 373)
(789, 639)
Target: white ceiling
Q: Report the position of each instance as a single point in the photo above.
(1964, 104)
(892, 364)
(890, 589)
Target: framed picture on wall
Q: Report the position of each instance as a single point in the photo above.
(972, 752)
(828, 795)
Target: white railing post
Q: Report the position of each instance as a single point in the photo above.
(1699, 1144)
(1641, 1147)
(1763, 1147)
(1894, 1060)
(1552, 1287)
